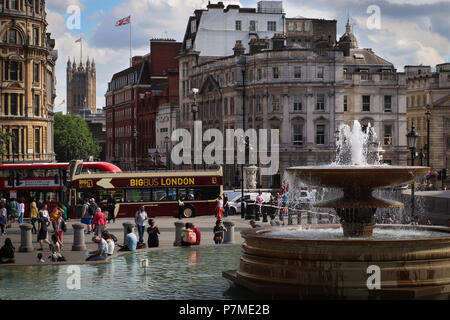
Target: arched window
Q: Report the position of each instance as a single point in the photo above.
(12, 36)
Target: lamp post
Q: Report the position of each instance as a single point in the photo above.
(166, 141)
(428, 114)
(412, 138)
(194, 114)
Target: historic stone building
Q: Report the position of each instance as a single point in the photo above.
(81, 86)
(306, 94)
(132, 103)
(310, 33)
(429, 90)
(27, 61)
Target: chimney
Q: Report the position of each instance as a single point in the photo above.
(257, 45)
(278, 41)
(239, 48)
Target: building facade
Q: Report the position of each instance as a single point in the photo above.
(81, 86)
(27, 61)
(427, 90)
(310, 33)
(132, 103)
(97, 125)
(304, 93)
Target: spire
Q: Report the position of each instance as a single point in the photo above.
(88, 63)
(69, 65)
(74, 65)
(348, 27)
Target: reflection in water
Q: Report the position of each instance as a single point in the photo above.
(172, 274)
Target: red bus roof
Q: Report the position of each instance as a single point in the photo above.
(102, 166)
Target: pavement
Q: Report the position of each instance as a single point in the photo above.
(166, 238)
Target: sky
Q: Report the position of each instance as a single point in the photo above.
(404, 32)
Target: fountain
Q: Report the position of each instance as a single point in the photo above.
(342, 261)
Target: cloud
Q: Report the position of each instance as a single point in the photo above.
(62, 5)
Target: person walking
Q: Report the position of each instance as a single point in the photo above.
(219, 208)
(21, 210)
(54, 217)
(153, 232)
(42, 230)
(226, 206)
(3, 219)
(45, 211)
(13, 211)
(180, 206)
(34, 216)
(139, 219)
(98, 223)
(64, 209)
(111, 203)
(219, 231)
(85, 217)
(60, 229)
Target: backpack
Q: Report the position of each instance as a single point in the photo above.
(63, 225)
(92, 210)
(191, 237)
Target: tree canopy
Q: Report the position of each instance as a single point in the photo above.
(73, 139)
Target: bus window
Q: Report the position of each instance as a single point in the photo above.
(138, 195)
(159, 194)
(172, 195)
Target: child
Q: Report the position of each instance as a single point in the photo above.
(219, 231)
(39, 258)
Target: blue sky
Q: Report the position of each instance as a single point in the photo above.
(411, 31)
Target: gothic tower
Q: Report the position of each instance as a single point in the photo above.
(81, 86)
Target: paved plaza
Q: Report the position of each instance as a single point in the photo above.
(166, 238)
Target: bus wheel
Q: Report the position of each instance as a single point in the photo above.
(188, 212)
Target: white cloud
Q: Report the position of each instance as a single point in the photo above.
(62, 5)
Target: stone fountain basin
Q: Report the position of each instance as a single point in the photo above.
(327, 268)
(354, 177)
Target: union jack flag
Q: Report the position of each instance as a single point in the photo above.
(123, 21)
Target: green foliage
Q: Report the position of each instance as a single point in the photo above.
(4, 138)
(73, 139)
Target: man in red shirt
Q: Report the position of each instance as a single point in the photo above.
(197, 233)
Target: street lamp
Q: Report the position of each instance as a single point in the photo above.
(166, 141)
(194, 113)
(412, 138)
(428, 114)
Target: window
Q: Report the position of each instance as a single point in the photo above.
(36, 72)
(291, 26)
(36, 6)
(13, 104)
(345, 103)
(388, 135)
(12, 37)
(387, 104)
(308, 44)
(299, 26)
(259, 74)
(193, 26)
(15, 140)
(366, 103)
(275, 103)
(276, 72)
(36, 105)
(188, 44)
(37, 141)
(232, 105)
(320, 134)
(36, 36)
(320, 103)
(297, 103)
(307, 26)
(297, 72)
(298, 134)
(238, 25)
(320, 72)
(365, 75)
(259, 104)
(14, 4)
(13, 71)
(271, 26)
(252, 26)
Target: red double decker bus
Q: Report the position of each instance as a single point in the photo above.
(157, 191)
(42, 181)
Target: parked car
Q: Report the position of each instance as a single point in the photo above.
(235, 204)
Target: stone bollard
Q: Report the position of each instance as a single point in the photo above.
(125, 227)
(178, 228)
(229, 234)
(78, 237)
(26, 243)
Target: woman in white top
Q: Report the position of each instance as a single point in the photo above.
(21, 210)
(109, 240)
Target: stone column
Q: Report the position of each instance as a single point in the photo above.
(229, 234)
(125, 227)
(178, 228)
(26, 243)
(78, 237)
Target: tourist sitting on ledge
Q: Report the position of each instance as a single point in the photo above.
(130, 241)
(7, 252)
(100, 253)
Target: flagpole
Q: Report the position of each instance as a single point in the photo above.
(81, 48)
(130, 43)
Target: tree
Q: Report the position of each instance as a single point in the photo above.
(4, 139)
(73, 139)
